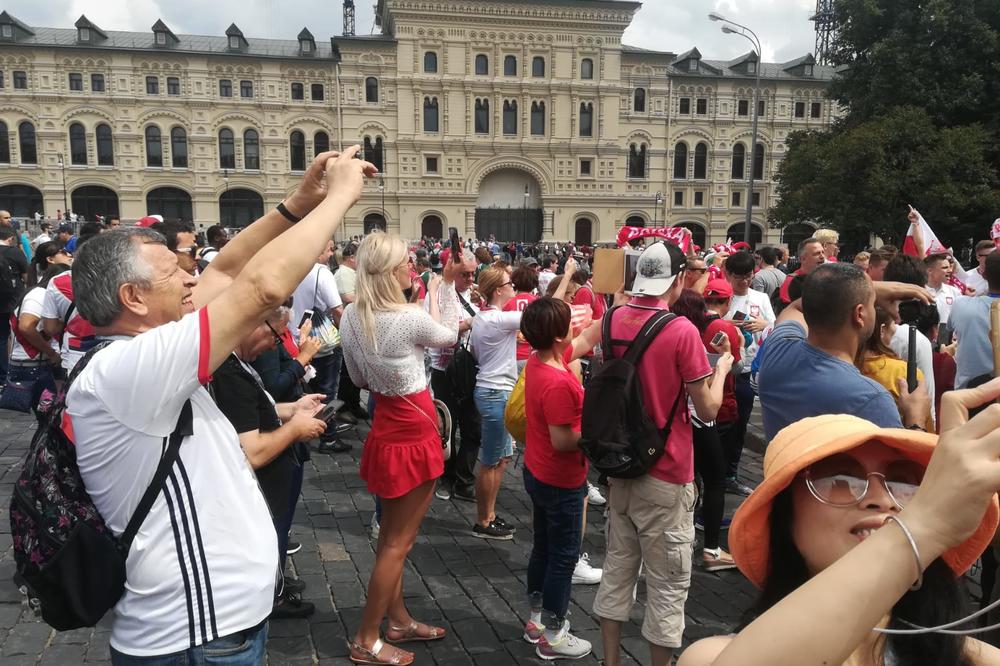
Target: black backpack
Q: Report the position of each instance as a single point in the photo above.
(68, 562)
(11, 285)
(618, 435)
(463, 369)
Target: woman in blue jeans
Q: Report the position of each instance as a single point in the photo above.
(494, 343)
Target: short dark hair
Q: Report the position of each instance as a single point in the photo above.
(768, 255)
(991, 271)
(906, 269)
(215, 233)
(830, 294)
(807, 242)
(544, 320)
(876, 257)
(549, 260)
(349, 250)
(87, 231)
(930, 259)
(6, 233)
(739, 263)
(170, 231)
(524, 278)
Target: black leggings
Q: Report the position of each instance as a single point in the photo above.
(710, 464)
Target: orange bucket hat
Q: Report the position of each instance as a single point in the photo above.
(810, 440)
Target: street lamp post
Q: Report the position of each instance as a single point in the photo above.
(750, 36)
(62, 167)
(656, 209)
(381, 191)
(524, 214)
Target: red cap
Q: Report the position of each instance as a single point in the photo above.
(148, 221)
(718, 289)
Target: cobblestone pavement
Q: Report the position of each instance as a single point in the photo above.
(472, 587)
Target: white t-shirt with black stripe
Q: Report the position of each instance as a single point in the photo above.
(205, 561)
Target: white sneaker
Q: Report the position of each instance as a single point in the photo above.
(594, 495)
(563, 646)
(375, 527)
(584, 574)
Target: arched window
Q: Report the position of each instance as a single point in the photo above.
(154, 149)
(510, 117)
(736, 231)
(170, 202)
(538, 118)
(430, 62)
(21, 200)
(583, 231)
(701, 161)
(635, 221)
(680, 161)
(637, 161)
(4, 143)
(538, 66)
(430, 114)
(77, 144)
(321, 143)
(93, 200)
(251, 150)
(639, 100)
(432, 227)
(374, 221)
(758, 162)
(371, 89)
(587, 69)
(26, 140)
(482, 65)
(105, 146)
(239, 207)
(297, 148)
(586, 119)
(227, 149)
(374, 152)
(179, 148)
(739, 166)
(510, 66)
(698, 233)
(482, 116)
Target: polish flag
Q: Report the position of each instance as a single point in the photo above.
(934, 246)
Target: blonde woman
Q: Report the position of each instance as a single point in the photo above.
(831, 243)
(384, 339)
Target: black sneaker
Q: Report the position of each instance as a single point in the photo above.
(360, 413)
(493, 531)
(345, 416)
(294, 585)
(464, 494)
(292, 547)
(342, 427)
(291, 607)
(336, 446)
(500, 522)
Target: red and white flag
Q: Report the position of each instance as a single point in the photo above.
(934, 246)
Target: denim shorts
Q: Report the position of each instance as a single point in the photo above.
(497, 443)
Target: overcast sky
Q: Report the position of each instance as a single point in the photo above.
(672, 25)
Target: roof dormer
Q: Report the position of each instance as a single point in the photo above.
(689, 62)
(804, 66)
(11, 28)
(307, 43)
(236, 40)
(87, 32)
(163, 37)
(746, 64)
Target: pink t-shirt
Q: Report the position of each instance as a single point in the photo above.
(676, 355)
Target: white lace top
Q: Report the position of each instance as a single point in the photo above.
(398, 367)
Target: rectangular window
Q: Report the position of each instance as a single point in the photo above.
(225, 88)
(1, 85)
(246, 88)
(737, 197)
(800, 109)
(760, 107)
(815, 110)
(76, 82)
(685, 108)
(298, 91)
(586, 167)
(743, 108)
(84, 34)
(152, 85)
(699, 198)
(173, 85)
(701, 106)
(678, 198)
(756, 198)
(96, 83)
(20, 80)
(431, 165)
(161, 38)
(7, 30)
(317, 92)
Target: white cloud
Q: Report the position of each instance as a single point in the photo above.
(783, 26)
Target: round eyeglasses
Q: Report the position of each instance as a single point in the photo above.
(842, 481)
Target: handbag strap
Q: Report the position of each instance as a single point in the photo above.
(184, 428)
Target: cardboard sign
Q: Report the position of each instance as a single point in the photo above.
(609, 270)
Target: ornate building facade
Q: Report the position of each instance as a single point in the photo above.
(520, 119)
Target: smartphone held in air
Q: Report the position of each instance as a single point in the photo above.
(306, 316)
(455, 245)
(631, 269)
(719, 337)
(739, 315)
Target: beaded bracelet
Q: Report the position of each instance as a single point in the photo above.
(916, 553)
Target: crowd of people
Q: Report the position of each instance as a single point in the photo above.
(271, 338)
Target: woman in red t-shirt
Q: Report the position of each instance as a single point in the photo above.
(709, 438)
(525, 281)
(555, 471)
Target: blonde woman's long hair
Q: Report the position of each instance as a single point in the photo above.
(377, 289)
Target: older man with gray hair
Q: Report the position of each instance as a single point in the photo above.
(202, 569)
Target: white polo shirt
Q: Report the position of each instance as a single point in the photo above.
(944, 297)
(757, 305)
(205, 561)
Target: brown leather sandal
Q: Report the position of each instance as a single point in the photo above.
(374, 655)
(411, 634)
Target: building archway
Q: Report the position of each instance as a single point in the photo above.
(93, 200)
(432, 227)
(172, 203)
(239, 207)
(635, 221)
(21, 200)
(583, 232)
(736, 231)
(374, 221)
(509, 207)
(794, 234)
(698, 234)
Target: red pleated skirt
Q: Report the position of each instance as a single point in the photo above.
(403, 449)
